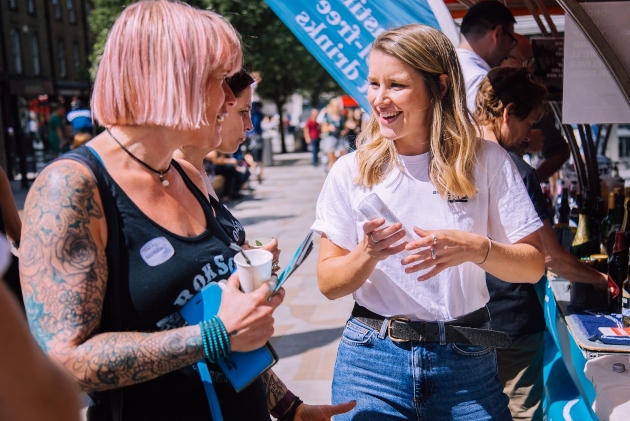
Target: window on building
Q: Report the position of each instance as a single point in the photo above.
(88, 7)
(76, 57)
(56, 9)
(17, 51)
(61, 55)
(12, 4)
(30, 6)
(35, 52)
(72, 14)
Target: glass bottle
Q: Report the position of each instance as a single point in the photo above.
(618, 269)
(625, 303)
(583, 245)
(606, 224)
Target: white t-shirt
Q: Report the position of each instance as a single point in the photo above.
(501, 209)
(474, 69)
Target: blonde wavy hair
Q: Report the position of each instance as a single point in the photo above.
(454, 143)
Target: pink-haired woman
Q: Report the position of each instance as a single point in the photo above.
(160, 86)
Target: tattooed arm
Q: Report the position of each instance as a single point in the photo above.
(63, 270)
(274, 388)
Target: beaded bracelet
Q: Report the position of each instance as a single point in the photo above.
(215, 339)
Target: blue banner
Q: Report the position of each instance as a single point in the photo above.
(339, 33)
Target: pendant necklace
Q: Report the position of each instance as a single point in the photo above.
(160, 174)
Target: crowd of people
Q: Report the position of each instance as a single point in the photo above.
(113, 244)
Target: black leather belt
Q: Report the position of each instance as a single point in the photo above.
(463, 330)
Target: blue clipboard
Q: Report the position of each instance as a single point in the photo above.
(241, 368)
(298, 258)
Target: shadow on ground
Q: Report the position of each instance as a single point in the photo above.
(283, 162)
(297, 343)
(262, 218)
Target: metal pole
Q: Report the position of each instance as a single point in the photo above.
(545, 12)
(534, 14)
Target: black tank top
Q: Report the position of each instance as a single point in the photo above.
(229, 223)
(161, 271)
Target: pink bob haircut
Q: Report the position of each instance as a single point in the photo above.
(158, 63)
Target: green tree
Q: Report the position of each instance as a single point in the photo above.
(269, 47)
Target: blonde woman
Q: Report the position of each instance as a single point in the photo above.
(418, 344)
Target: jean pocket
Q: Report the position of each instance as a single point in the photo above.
(356, 334)
(471, 350)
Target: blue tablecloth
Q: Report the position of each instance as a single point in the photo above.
(591, 320)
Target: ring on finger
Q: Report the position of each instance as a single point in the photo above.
(274, 265)
(372, 238)
(433, 254)
(434, 239)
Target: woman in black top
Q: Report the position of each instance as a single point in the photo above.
(160, 86)
(237, 124)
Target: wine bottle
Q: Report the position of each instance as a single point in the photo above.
(618, 269)
(606, 224)
(625, 303)
(583, 245)
(617, 220)
(561, 228)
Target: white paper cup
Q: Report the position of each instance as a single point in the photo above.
(259, 242)
(252, 277)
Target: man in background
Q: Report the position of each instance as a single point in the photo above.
(312, 135)
(487, 37)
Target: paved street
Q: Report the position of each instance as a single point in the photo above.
(308, 325)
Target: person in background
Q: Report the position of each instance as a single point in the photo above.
(400, 355)
(487, 37)
(351, 129)
(256, 144)
(80, 119)
(31, 386)
(56, 135)
(119, 333)
(233, 133)
(11, 227)
(312, 135)
(546, 139)
(332, 121)
(80, 139)
(508, 103)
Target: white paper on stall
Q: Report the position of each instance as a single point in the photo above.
(591, 94)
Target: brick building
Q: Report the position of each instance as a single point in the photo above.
(44, 58)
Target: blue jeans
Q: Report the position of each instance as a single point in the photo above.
(315, 151)
(415, 380)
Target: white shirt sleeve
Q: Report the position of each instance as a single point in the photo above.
(511, 214)
(334, 215)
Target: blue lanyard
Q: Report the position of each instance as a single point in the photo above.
(211, 394)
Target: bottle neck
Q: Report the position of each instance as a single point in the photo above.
(582, 235)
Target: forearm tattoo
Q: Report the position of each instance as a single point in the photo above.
(64, 277)
(274, 388)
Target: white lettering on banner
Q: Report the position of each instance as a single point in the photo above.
(324, 32)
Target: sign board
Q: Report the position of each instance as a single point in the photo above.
(591, 94)
(549, 56)
(339, 33)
